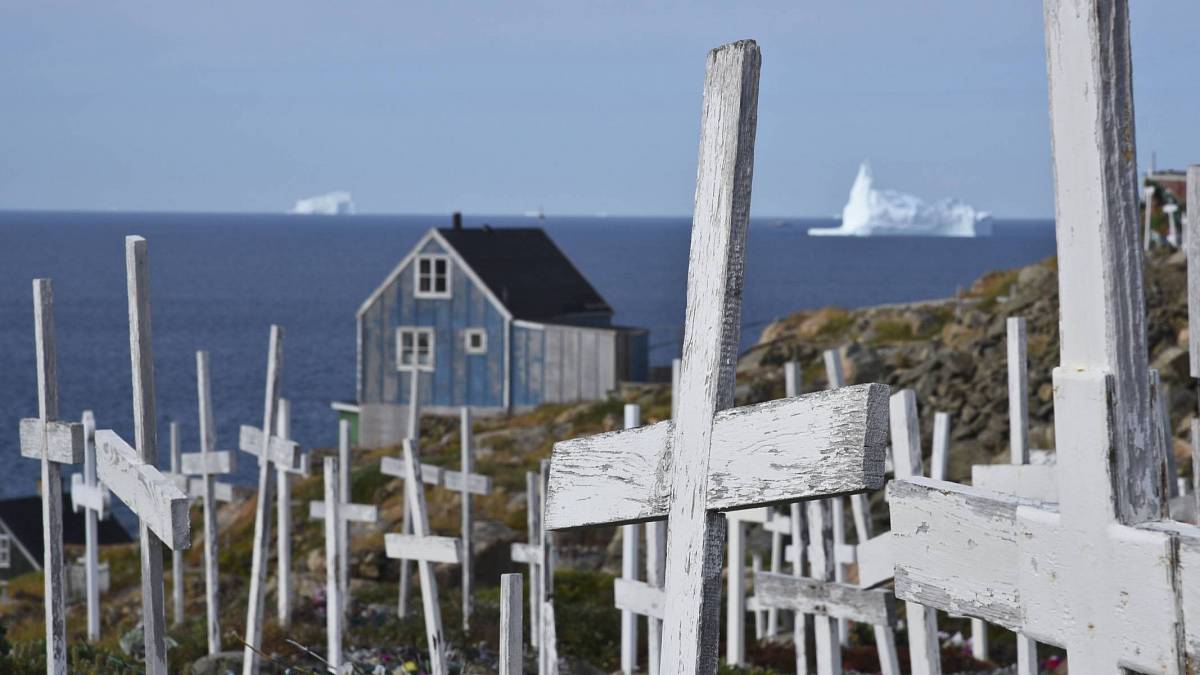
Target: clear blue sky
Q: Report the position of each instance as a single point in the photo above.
(427, 107)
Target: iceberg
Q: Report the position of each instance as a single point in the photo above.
(330, 204)
(870, 212)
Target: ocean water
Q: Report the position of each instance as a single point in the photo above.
(219, 280)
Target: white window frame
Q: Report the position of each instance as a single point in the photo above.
(428, 363)
(433, 259)
(5, 551)
(475, 332)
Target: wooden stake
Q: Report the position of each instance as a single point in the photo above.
(176, 556)
(629, 565)
(208, 452)
(333, 563)
(512, 657)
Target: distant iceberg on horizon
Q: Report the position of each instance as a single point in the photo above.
(330, 204)
(887, 213)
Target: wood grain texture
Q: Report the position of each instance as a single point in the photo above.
(157, 501)
(715, 267)
(262, 507)
(1101, 294)
(823, 443)
(60, 442)
(512, 656)
(208, 445)
(53, 560)
(812, 596)
(145, 433)
(333, 563)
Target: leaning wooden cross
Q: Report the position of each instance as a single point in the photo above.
(426, 550)
(347, 512)
(54, 443)
(207, 463)
(710, 459)
(161, 507)
(270, 450)
(89, 495)
(1100, 574)
(394, 466)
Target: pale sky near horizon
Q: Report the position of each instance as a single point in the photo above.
(581, 108)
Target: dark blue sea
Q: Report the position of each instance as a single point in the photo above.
(219, 280)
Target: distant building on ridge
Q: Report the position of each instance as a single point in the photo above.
(497, 319)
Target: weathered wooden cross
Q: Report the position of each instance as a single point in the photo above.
(161, 507)
(283, 510)
(394, 466)
(348, 512)
(54, 443)
(426, 549)
(334, 549)
(270, 450)
(207, 463)
(539, 555)
(1101, 574)
(710, 459)
(89, 495)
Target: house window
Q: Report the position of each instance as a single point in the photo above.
(432, 276)
(5, 551)
(475, 340)
(414, 348)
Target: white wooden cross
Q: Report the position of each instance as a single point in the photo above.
(161, 507)
(512, 657)
(1148, 237)
(348, 512)
(89, 495)
(629, 565)
(283, 510)
(54, 443)
(207, 463)
(1172, 225)
(707, 461)
(1097, 575)
(425, 549)
(334, 548)
(270, 450)
(176, 474)
(540, 556)
(394, 466)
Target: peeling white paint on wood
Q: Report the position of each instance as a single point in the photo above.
(823, 443)
(262, 521)
(60, 442)
(813, 596)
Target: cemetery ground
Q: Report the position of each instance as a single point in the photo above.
(950, 351)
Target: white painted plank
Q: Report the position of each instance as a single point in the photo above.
(91, 556)
(875, 562)
(283, 513)
(415, 498)
(811, 596)
(1191, 244)
(222, 492)
(467, 458)
(796, 514)
(629, 563)
(354, 513)
(1018, 390)
(208, 444)
(823, 443)
(1036, 482)
(343, 524)
(283, 452)
(333, 586)
(61, 442)
(512, 657)
(91, 497)
(820, 533)
(158, 502)
(216, 462)
(639, 598)
(735, 595)
(940, 459)
(255, 609)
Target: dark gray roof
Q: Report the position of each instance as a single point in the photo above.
(526, 270)
(23, 516)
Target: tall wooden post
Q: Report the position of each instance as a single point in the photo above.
(176, 555)
(333, 604)
(468, 548)
(511, 657)
(629, 565)
(208, 447)
(283, 511)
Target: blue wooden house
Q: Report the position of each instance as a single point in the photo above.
(497, 319)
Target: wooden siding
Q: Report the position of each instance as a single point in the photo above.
(562, 364)
(458, 378)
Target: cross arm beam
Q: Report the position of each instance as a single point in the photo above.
(199, 463)
(286, 454)
(639, 597)
(817, 445)
(812, 596)
(155, 498)
(354, 513)
(61, 441)
(425, 548)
